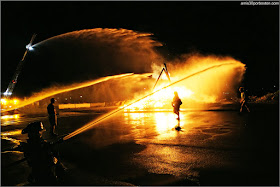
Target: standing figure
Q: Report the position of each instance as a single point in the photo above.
(243, 100)
(176, 104)
(41, 157)
(52, 117)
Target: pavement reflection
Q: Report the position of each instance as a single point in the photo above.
(180, 153)
(10, 119)
(143, 148)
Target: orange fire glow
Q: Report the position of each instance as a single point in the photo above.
(204, 87)
(208, 78)
(159, 99)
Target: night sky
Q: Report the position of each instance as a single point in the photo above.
(247, 33)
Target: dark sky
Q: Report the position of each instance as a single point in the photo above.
(247, 33)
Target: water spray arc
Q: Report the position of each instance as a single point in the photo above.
(101, 118)
(67, 89)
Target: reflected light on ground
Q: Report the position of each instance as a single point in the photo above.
(166, 123)
(136, 118)
(10, 133)
(15, 141)
(6, 117)
(163, 122)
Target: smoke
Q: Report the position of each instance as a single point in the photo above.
(211, 86)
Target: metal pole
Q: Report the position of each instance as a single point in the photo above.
(13, 82)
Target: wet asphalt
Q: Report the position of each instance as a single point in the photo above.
(144, 149)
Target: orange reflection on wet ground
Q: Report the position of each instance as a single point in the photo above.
(9, 136)
(140, 122)
(7, 120)
(7, 117)
(158, 125)
(10, 133)
(165, 123)
(157, 131)
(15, 141)
(169, 151)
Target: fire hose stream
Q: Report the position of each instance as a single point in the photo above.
(105, 116)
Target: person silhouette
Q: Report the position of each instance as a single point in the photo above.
(52, 117)
(243, 100)
(176, 103)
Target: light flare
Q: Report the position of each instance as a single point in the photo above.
(15, 101)
(160, 99)
(9, 103)
(3, 101)
(29, 47)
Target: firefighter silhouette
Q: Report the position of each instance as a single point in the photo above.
(243, 100)
(176, 103)
(41, 157)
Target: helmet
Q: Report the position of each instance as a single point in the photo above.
(34, 127)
